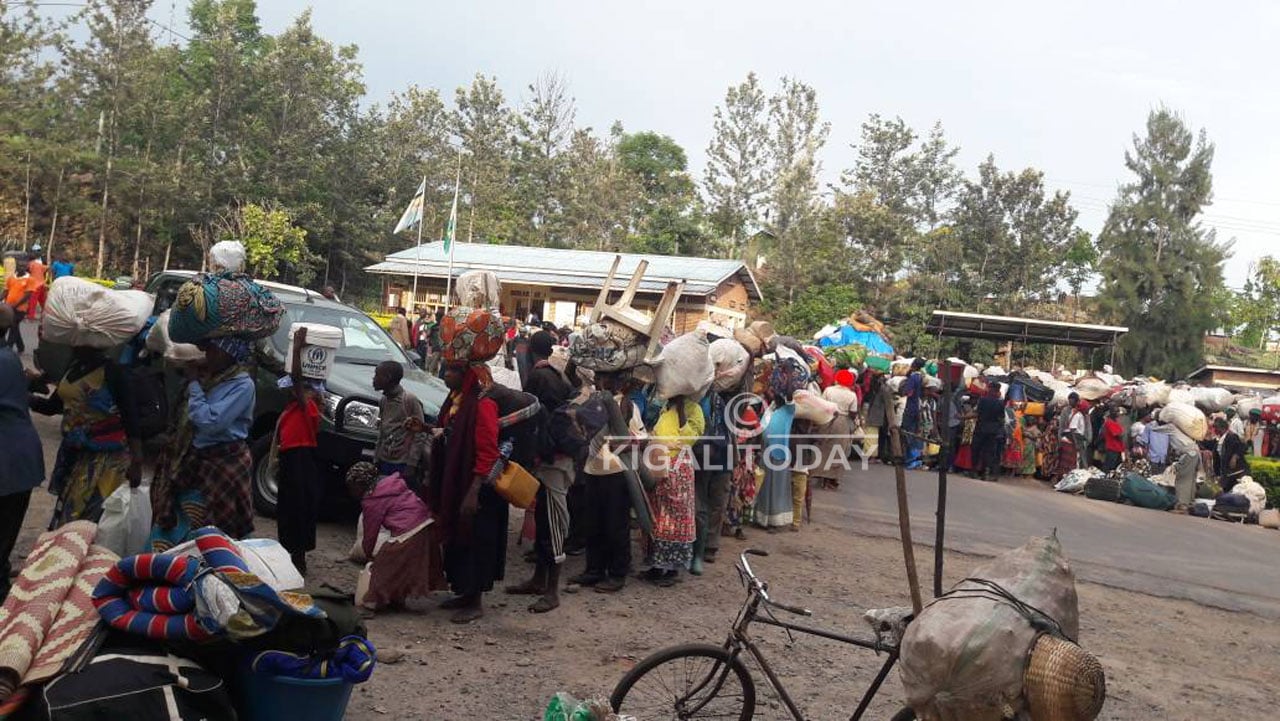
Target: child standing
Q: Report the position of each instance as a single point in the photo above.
(401, 446)
(298, 503)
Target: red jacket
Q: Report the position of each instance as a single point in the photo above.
(1113, 436)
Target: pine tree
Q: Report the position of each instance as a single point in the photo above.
(736, 177)
(1162, 271)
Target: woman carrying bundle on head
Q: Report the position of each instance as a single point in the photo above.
(471, 516)
(204, 477)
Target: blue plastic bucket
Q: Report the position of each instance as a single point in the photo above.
(272, 698)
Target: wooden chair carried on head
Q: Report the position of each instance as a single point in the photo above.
(623, 314)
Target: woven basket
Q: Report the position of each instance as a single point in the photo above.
(1063, 682)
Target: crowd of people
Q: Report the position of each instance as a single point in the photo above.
(747, 452)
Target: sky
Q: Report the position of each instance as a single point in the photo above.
(1059, 87)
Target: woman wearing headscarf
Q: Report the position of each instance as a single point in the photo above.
(781, 500)
(101, 448)
(471, 516)
(204, 477)
(835, 437)
(674, 500)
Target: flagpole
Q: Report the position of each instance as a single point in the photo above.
(417, 250)
(453, 241)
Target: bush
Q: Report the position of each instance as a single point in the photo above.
(382, 319)
(1266, 471)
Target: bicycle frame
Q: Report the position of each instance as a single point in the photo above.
(739, 639)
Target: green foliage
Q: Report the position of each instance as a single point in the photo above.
(1161, 271)
(814, 307)
(270, 239)
(1254, 312)
(1266, 471)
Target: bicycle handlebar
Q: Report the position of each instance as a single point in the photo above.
(761, 588)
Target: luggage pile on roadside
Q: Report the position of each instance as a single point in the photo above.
(214, 629)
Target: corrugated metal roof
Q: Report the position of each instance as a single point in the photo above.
(569, 268)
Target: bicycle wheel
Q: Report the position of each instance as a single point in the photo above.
(691, 681)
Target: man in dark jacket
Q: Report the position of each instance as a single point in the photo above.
(1231, 455)
(988, 433)
(555, 475)
(22, 461)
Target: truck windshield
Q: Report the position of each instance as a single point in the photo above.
(363, 340)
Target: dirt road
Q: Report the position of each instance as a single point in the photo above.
(1166, 659)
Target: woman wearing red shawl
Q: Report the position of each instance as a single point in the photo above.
(471, 517)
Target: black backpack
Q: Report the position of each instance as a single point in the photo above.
(570, 428)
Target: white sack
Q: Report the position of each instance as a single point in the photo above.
(1186, 418)
(1212, 400)
(813, 408)
(80, 313)
(730, 360)
(1181, 394)
(686, 368)
(479, 289)
(159, 342)
(227, 255)
(126, 521)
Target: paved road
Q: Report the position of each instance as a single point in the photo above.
(1215, 563)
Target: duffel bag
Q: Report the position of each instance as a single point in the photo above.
(1101, 488)
(1202, 509)
(1143, 493)
(1231, 507)
(223, 304)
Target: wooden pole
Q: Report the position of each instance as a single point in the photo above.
(904, 514)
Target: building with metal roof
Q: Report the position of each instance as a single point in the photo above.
(1237, 378)
(561, 284)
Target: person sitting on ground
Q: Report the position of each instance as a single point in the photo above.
(401, 448)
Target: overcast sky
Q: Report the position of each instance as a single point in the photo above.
(1059, 88)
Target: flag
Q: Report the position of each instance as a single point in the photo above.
(451, 228)
(413, 214)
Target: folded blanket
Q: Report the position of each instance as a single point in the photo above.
(49, 614)
(152, 595)
(353, 661)
(178, 597)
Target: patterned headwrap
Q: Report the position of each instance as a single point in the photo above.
(788, 377)
(240, 349)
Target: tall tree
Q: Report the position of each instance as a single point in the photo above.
(667, 218)
(544, 130)
(797, 133)
(599, 193)
(1160, 268)
(485, 124)
(736, 178)
(1011, 236)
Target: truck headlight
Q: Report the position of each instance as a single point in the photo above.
(356, 414)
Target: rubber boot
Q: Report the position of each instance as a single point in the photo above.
(551, 596)
(536, 585)
(699, 543)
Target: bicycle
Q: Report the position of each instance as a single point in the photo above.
(707, 681)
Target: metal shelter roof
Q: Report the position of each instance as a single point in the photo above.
(567, 268)
(1026, 330)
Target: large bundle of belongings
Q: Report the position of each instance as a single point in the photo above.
(81, 313)
(88, 635)
(849, 343)
(1003, 644)
(225, 302)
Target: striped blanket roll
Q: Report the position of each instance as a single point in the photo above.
(152, 595)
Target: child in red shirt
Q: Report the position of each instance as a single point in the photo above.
(298, 500)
